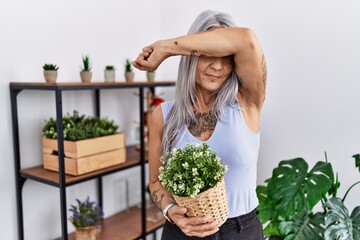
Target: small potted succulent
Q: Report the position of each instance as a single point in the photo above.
(86, 73)
(109, 73)
(195, 177)
(50, 72)
(86, 218)
(150, 75)
(129, 74)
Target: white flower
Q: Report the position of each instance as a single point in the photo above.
(185, 165)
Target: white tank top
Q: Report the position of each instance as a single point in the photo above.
(238, 148)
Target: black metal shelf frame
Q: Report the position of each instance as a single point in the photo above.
(16, 88)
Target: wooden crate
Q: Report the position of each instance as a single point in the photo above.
(86, 155)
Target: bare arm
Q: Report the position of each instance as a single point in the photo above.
(241, 42)
(195, 226)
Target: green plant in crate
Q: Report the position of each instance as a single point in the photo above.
(79, 127)
(287, 203)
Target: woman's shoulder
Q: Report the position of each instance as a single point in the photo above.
(166, 107)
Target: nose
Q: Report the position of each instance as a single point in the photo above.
(216, 63)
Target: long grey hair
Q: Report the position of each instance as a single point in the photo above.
(182, 112)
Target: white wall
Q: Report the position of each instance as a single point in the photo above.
(312, 103)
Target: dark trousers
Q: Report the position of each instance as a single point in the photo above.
(244, 227)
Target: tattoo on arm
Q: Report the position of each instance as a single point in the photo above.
(156, 199)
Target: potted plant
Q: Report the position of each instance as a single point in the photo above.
(90, 143)
(50, 72)
(150, 75)
(288, 200)
(85, 72)
(129, 74)
(109, 73)
(86, 218)
(194, 175)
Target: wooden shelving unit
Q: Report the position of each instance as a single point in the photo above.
(132, 224)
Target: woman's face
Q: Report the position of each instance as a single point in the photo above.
(212, 72)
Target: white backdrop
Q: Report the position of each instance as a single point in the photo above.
(312, 104)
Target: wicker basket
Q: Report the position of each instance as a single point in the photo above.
(88, 233)
(211, 202)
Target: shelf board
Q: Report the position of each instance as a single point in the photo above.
(40, 174)
(127, 225)
(84, 86)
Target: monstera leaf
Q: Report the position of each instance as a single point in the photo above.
(303, 227)
(294, 189)
(339, 225)
(267, 212)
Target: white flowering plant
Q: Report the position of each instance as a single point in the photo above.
(191, 170)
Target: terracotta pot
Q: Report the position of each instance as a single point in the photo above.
(50, 75)
(109, 75)
(85, 76)
(129, 76)
(150, 76)
(87, 233)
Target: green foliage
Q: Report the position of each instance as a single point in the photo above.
(86, 214)
(86, 63)
(357, 160)
(48, 66)
(128, 66)
(286, 203)
(339, 225)
(191, 170)
(294, 189)
(109, 67)
(303, 226)
(78, 127)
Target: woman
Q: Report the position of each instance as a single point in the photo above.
(219, 95)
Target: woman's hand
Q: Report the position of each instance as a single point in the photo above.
(151, 57)
(192, 226)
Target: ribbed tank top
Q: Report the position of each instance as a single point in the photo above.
(238, 148)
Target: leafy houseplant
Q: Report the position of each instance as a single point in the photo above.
(287, 203)
(86, 218)
(79, 127)
(191, 170)
(194, 175)
(50, 72)
(86, 73)
(129, 74)
(109, 73)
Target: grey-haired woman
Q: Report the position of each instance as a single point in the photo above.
(220, 91)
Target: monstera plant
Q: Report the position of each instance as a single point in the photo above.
(288, 199)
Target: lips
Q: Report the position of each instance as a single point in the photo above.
(215, 77)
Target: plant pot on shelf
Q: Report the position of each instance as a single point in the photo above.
(129, 76)
(50, 76)
(87, 233)
(150, 75)
(86, 76)
(85, 156)
(109, 75)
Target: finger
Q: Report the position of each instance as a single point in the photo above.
(201, 230)
(147, 49)
(200, 220)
